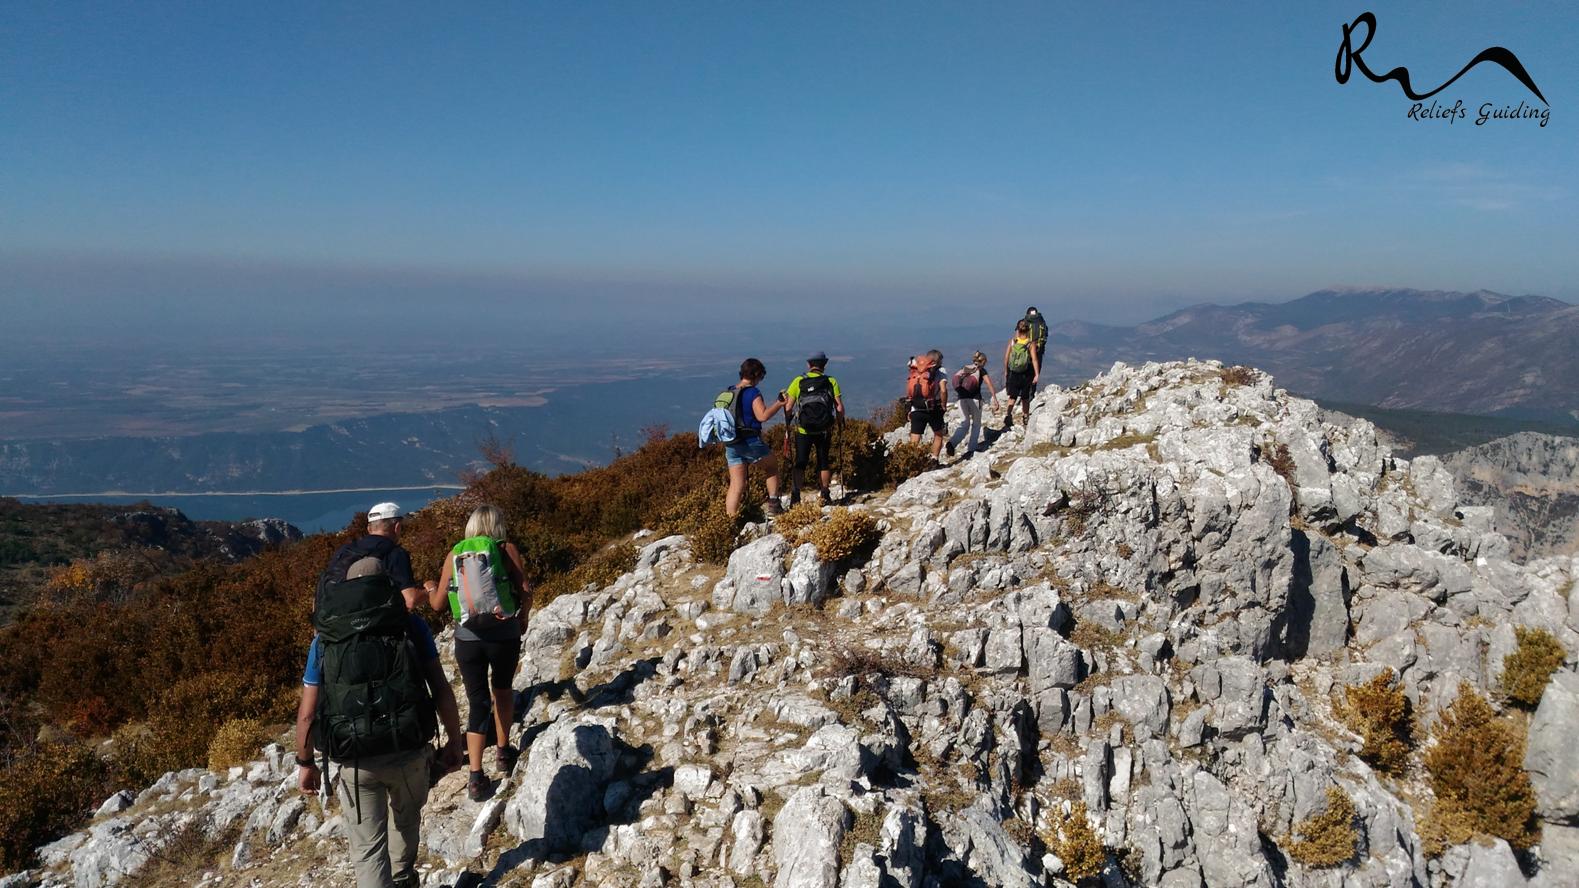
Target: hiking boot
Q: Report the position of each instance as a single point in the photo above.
(772, 508)
(826, 497)
(478, 787)
(407, 882)
(950, 449)
(505, 758)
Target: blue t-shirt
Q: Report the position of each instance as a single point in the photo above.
(748, 413)
(421, 636)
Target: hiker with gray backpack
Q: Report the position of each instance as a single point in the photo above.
(736, 422)
(373, 694)
(483, 583)
(818, 408)
(967, 394)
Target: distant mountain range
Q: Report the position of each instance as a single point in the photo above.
(1479, 353)
(1398, 351)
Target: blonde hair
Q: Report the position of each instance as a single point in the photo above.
(486, 521)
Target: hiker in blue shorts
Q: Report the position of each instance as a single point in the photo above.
(751, 411)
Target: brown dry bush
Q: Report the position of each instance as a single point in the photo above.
(1325, 839)
(1379, 712)
(793, 523)
(238, 741)
(1076, 844)
(1237, 375)
(846, 535)
(1526, 670)
(906, 461)
(44, 792)
(1281, 460)
(860, 458)
(1476, 771)
(888, 417)
(600, 570)
(183, 723)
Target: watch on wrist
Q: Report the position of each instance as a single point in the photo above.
(305, 762)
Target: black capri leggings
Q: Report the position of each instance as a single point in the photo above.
(475, 659)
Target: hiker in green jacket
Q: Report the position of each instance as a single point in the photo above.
(818, 407)
(483, 585)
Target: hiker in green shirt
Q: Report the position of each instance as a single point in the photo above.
(818, 406)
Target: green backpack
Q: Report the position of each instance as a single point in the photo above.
(479, 582)
(374, 699)
(1020, 356)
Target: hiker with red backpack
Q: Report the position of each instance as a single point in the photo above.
(1022, 371)
(927, 393)
(373, 695)
(818, 406)
(967, 393)
(483, 584)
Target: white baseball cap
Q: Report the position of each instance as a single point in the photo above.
(384, 512)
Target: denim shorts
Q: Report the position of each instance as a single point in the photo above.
(744, 453)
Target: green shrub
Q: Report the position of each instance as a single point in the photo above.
(1326, 839)
(1379, 712)
(1526, 670)
(1476, 770)
(846, 534)
(44, 793)
(238, 741)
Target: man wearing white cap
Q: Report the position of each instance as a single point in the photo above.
(382, 542)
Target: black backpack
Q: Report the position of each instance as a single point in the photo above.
(815, 406)
(374, 699)
(1038, 330)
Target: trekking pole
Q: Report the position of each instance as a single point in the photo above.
(838, 435)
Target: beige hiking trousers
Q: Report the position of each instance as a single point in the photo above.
(384, 829)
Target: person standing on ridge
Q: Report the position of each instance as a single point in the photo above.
(967, 393)
(748, 446)
(484, 582)
(927, 392)
(1038, 333)
(1022, 371)
(373, 694)
(818, 408)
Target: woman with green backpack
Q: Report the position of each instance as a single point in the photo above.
(1022, 370)
(484, 582)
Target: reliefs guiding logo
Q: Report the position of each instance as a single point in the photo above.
(1350, 57)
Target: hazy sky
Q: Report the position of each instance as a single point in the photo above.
(1109, 161)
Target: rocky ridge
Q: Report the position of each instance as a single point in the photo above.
(1139, 608)
(1531, 480)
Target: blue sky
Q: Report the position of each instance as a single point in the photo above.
(1108, 161)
